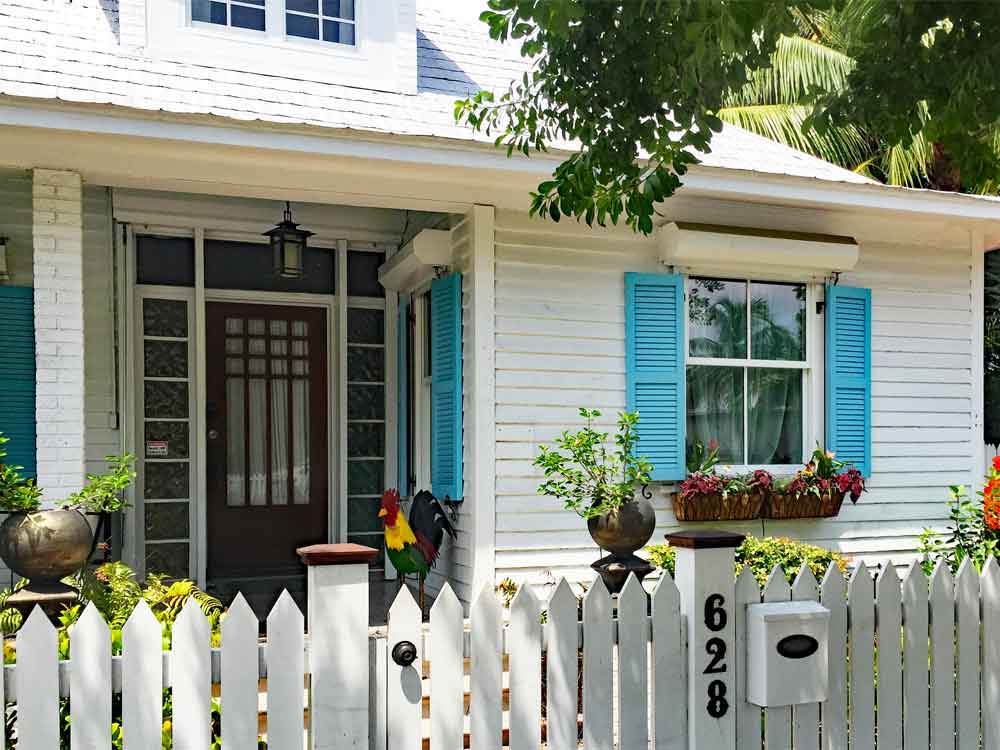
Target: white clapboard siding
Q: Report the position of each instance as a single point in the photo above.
(239, 676)
(777, 721)
(286, 662)
(942, 635)
(37, 684)
(669, 721)
(446, 659)
(805, 718)
(191, 677)
(748, 716)
(990, 587)
(833, 595)
(915, 674)
(861, 606)
(405, 693)
(598, 645)
(967, 657)
(90, 682)
(889, 623)
(486, 672)
(524, 644)
(633, 667)
(142, 679)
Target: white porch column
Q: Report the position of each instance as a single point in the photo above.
(58, 279)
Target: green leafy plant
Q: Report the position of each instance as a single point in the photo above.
(702, 460)
(968, 536)
(17, 494)
(590, 478)
(105, 493)
(761, 554)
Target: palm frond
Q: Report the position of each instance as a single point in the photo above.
(798, 66)
(782, 123)
(906, 164)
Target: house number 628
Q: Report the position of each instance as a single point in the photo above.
(715, 620)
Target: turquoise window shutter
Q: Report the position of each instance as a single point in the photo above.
(446, 387)
(17, 376)
(654, 366)
(403, 393)
(849, 375)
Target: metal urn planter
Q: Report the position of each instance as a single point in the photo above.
(621, 532)
(46, 546)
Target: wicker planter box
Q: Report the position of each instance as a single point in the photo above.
(718, 508)
(782, 505)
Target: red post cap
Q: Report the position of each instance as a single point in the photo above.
(336, 554)
(705, 539)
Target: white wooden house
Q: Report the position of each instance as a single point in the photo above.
(147, 145)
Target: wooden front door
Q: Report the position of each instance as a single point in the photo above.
(267, 437)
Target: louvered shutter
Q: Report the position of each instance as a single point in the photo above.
(849, 375)
(446, 387)
(403, 393)
(17, 376)
(654, 361)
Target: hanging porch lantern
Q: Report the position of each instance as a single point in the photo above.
(288, 244)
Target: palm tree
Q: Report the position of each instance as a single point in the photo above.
(775, 104)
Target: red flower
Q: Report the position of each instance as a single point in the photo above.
(996, 463)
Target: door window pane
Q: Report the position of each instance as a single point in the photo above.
(164, 317)
(300, 441)
(279, 442)
(166, 399)
(775, 416)
(166, 480)
(778, 321)
(167, 521)
(715, 410)
(717, 322)
(173, 434)
(235, 443)
(257, 439)
(165, 359)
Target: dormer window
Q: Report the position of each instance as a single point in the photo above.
(324, 20)
(239, 14)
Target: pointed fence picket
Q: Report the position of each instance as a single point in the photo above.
(967, 656)
(915, 674)
(445, 652)
(935, 640)
(90, 682)
(805, 718)
(777, 721)
(861, 606)
(889, 693)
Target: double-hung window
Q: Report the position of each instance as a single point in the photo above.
(747, 370)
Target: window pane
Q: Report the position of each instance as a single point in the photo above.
(235, 443)
(250, 265)
(715, 410)
(303, 6)
(301, 26)
(201, 10)
(248, 18)
(164, 317)
(258, 442)
(778, 321)
(300, 442)
(339, 9)
(166, 480)
(279, 442)
(342, 33)
(170, 558)
(717, 318)
(362, 268)
(166, 260)
(365, 326)
(775, 415)
(167, 521)
(173, 434)
(165, 359)
(165, 399)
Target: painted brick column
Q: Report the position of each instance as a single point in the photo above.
(57, 208)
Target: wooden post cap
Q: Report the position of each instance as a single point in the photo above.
(705, 539)
(337, 554)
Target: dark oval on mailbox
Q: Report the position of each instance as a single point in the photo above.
(797, 646)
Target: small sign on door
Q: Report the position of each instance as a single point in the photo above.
(157, 448)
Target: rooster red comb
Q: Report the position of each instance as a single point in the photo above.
(390, 498)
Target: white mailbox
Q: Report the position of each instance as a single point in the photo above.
(787, 647)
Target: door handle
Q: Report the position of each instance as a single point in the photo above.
(213, 434)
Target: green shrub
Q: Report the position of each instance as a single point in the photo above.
(761, 555)
(968, 536)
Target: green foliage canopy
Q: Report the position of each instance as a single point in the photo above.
(638, 87)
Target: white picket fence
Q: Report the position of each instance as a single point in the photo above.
(933, 643)
(990, 452)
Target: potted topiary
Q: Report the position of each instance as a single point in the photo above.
(817, 490)
(707, 495)
(599, 482)
(46, 545)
